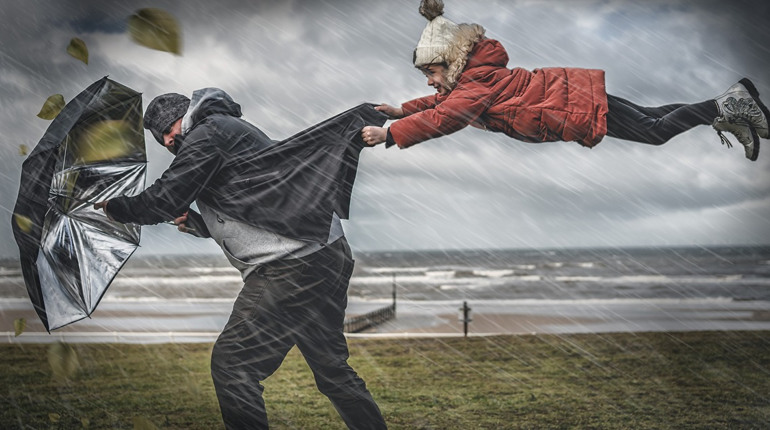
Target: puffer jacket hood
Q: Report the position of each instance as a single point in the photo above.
(490, 53)
(206, 102)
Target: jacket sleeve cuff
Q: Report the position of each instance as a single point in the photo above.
(196, 223)
(401, 138)
(119, 210)
(389, 141)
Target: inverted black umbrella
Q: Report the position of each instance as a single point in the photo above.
(93, 151)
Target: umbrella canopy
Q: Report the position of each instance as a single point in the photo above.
(93, 151)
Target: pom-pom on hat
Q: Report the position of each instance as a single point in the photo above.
(437, 36)
(163, 111)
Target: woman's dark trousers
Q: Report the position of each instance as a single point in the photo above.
(655, 125)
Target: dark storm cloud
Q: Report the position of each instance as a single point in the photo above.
(98, 22)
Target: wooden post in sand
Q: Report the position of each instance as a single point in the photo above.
(394, 294)
(466, 317)
(376, 317)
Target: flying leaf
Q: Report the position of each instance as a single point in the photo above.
(19, 325)
(155, 29)
(23, 150)
(54, 418)
(52, 106)
(78, 49)
(24, 222)
(106, 140)
(63, 360)
(142, 423)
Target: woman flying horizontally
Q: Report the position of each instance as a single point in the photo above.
(474, 87)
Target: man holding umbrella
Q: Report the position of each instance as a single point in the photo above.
(274, 208)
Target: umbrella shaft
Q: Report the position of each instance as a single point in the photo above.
(73, 198)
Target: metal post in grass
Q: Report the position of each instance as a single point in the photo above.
(466, 317)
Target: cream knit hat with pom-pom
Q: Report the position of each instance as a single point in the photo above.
(437, 36)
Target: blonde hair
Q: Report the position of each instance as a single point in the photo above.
(465, 38)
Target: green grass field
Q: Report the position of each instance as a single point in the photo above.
(697, 380)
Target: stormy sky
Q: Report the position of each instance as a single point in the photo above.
(291, 64)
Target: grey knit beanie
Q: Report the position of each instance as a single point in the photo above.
(163, 111)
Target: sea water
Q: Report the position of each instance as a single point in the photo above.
(734, 273)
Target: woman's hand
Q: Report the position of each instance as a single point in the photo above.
(374, 135)
(391, 111)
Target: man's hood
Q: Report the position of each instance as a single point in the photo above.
(206, 102)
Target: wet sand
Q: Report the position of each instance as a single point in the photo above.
(200, 320)
(587, 316)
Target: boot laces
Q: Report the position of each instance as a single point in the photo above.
(741, 111)
(725, 140)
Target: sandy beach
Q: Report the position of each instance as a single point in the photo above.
(200, 320)
(587, 316)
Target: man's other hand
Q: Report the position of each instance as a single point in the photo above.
(181, 225)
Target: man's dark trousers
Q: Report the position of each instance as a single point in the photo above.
(285, 303)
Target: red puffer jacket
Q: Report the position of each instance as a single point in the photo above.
(543, 105)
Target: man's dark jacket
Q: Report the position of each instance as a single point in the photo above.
(290, 187)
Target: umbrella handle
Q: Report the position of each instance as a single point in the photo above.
(172, 223)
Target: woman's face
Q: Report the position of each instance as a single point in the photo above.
(436, 78)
